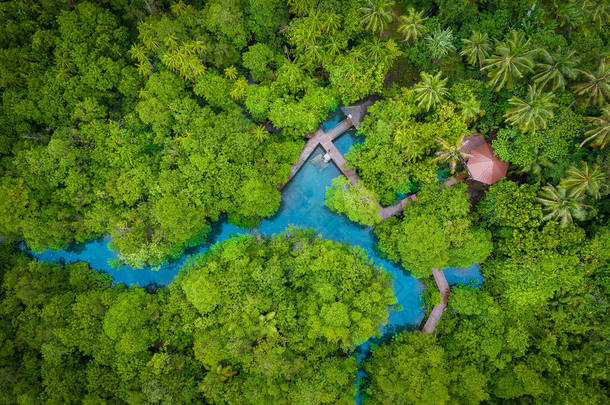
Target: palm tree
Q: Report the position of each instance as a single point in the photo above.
(231, 72)
(440, 43)
(377, 15)
(560, 205)
(513, 58)
(260, 133)
(452, 153)
(588, 180)
(596, 88)
(471, 109)
(381, 52)
(431, 90)
(476, 48)
(299, 7)
(598, 10)
(532, 113)
(412, 24)
(238, 90)
(600, 133)
(554, 69)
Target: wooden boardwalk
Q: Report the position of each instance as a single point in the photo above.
(437, 311)
(310, 146)
(325, 140)
(340, 129)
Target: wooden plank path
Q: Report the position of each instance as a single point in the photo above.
(339, 129)
(310, 146)
(437, 311)
(325, 140)
(391, 210)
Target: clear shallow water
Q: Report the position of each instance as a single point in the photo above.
(334, 117)
(464, 275)
(302, 205)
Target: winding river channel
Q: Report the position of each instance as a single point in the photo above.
(302, 205)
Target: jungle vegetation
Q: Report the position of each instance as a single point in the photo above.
(148, 120)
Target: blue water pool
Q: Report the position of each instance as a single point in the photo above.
(464, 275)
(302, 205)
(334, 117)
(345, 141)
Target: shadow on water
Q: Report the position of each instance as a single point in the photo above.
(302, 205)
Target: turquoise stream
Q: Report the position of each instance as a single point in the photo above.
(302, 205)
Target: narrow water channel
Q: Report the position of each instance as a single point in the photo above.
(302, 205)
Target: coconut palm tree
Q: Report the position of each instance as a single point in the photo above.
(587, 180)
(476, 48)
(600, 131)
(377, 15)
(238, 90)
(554, 69)
(452, 153)
(471, 109)
(532, 113)
(513, 58)
(431, 90)
(596, 87)
(559, 204)
(440, 43)
(259, 133)
(231, 73)
(412, 24)
(300, 7)
(598, 10)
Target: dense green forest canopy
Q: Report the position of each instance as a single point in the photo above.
(147, 120)
(255, 320)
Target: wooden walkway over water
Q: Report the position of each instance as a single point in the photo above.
(325, 140)
(437, 311)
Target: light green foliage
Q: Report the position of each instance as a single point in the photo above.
(250, 316)
(410, 369)
(359, 204)
(128, 322)
(440, 43)
(554, 70)
(476, 48)
(431, 90)
(412, 24)
(586, 180)
(279, 312)
(451, 152)
(559, 204)
(149, 159)
(355, 76)
(471, 109)
(540, 263)
(436, 231)
(261, 60)
(377, 14)
(512, 59)
(399, 147)
(509, 205)
(556, 142)
(265, 18)
(599, 133)
(533, 112)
